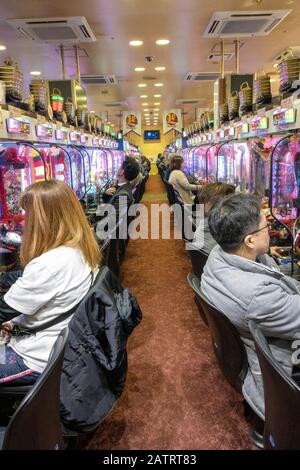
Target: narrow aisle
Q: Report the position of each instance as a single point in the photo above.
(175, 396)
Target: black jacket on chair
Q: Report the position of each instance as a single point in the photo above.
(95, 364)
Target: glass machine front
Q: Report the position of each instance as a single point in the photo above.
(58, 162)
(77, 172)
(118, 157)
(234, 164)
(260, 167)
(200, 163)
(187, 155)
(285, 199)
(211, 163)
(20, 166)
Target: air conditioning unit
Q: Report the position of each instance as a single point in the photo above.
(116, 104)
(201, 77)
(216, 57)
(98, 79)
(238, 24)
(190, 101)
(63, 30)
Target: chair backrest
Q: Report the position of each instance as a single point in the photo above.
(228, 346)
(282, 398)
(36, 424)
(198, 258)
(170, 193)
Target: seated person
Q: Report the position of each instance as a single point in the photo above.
(60, 257)
(242, 281)
(180, 182)
(210, 194)
(127, 172)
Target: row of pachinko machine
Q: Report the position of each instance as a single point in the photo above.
(88, 171)
(268, 167)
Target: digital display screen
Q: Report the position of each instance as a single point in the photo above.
(151, 135)
(263, 123)
(18, 126)
(284, 117)
(245, 128)
(44, 130)
(95, 141)
(83, 139)
(60, 134)
(74, 137)
(290, 116)
(232, 131)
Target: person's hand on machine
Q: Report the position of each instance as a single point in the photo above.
(111, 191)
(277, 252)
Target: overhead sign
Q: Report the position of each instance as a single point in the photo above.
(132, 121)
(172, 119)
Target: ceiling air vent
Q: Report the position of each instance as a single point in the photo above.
(98, 79)
(62, 30)
(215, 57)
(202, 77)
(189, 102)
(116, 104)
(233, 24)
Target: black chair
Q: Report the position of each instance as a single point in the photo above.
(227, 344)
(35, 424)
(198, 258)
(170, 193)
(282, 398)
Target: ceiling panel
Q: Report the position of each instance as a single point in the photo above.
(116, 22)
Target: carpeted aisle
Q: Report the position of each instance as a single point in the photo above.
(175, 397)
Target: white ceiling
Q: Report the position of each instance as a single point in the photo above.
(116, 22)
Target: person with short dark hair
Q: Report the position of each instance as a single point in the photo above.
(127, 172)
(242, 281)
(210, 194)
(180, 182)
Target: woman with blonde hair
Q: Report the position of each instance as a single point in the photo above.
(60, 257)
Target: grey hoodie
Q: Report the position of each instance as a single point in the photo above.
(247, 290)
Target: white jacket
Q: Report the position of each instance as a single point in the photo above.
(181, 184)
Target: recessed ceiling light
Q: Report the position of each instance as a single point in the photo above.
(145, 104)
(156, 109)
(160, 69)
(144, 96)
(162, 42)
(136, 43)
(139, 69)
(155, 114)
(35, 72)
(2, 48)
(158, 84)
(156, 104)
(157, 96)
(146, 110)
(142, 85)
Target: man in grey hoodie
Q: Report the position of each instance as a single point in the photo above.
(242, 281)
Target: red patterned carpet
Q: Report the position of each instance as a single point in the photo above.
(175, 397)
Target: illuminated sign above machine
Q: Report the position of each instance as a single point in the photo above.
(284, 116)
(61, 134)
(259, 124)
(245, 128)
(20, 125)
(84, 139)
(74, 137)
(44, 130)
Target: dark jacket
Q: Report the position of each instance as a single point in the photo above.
(95, 364)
